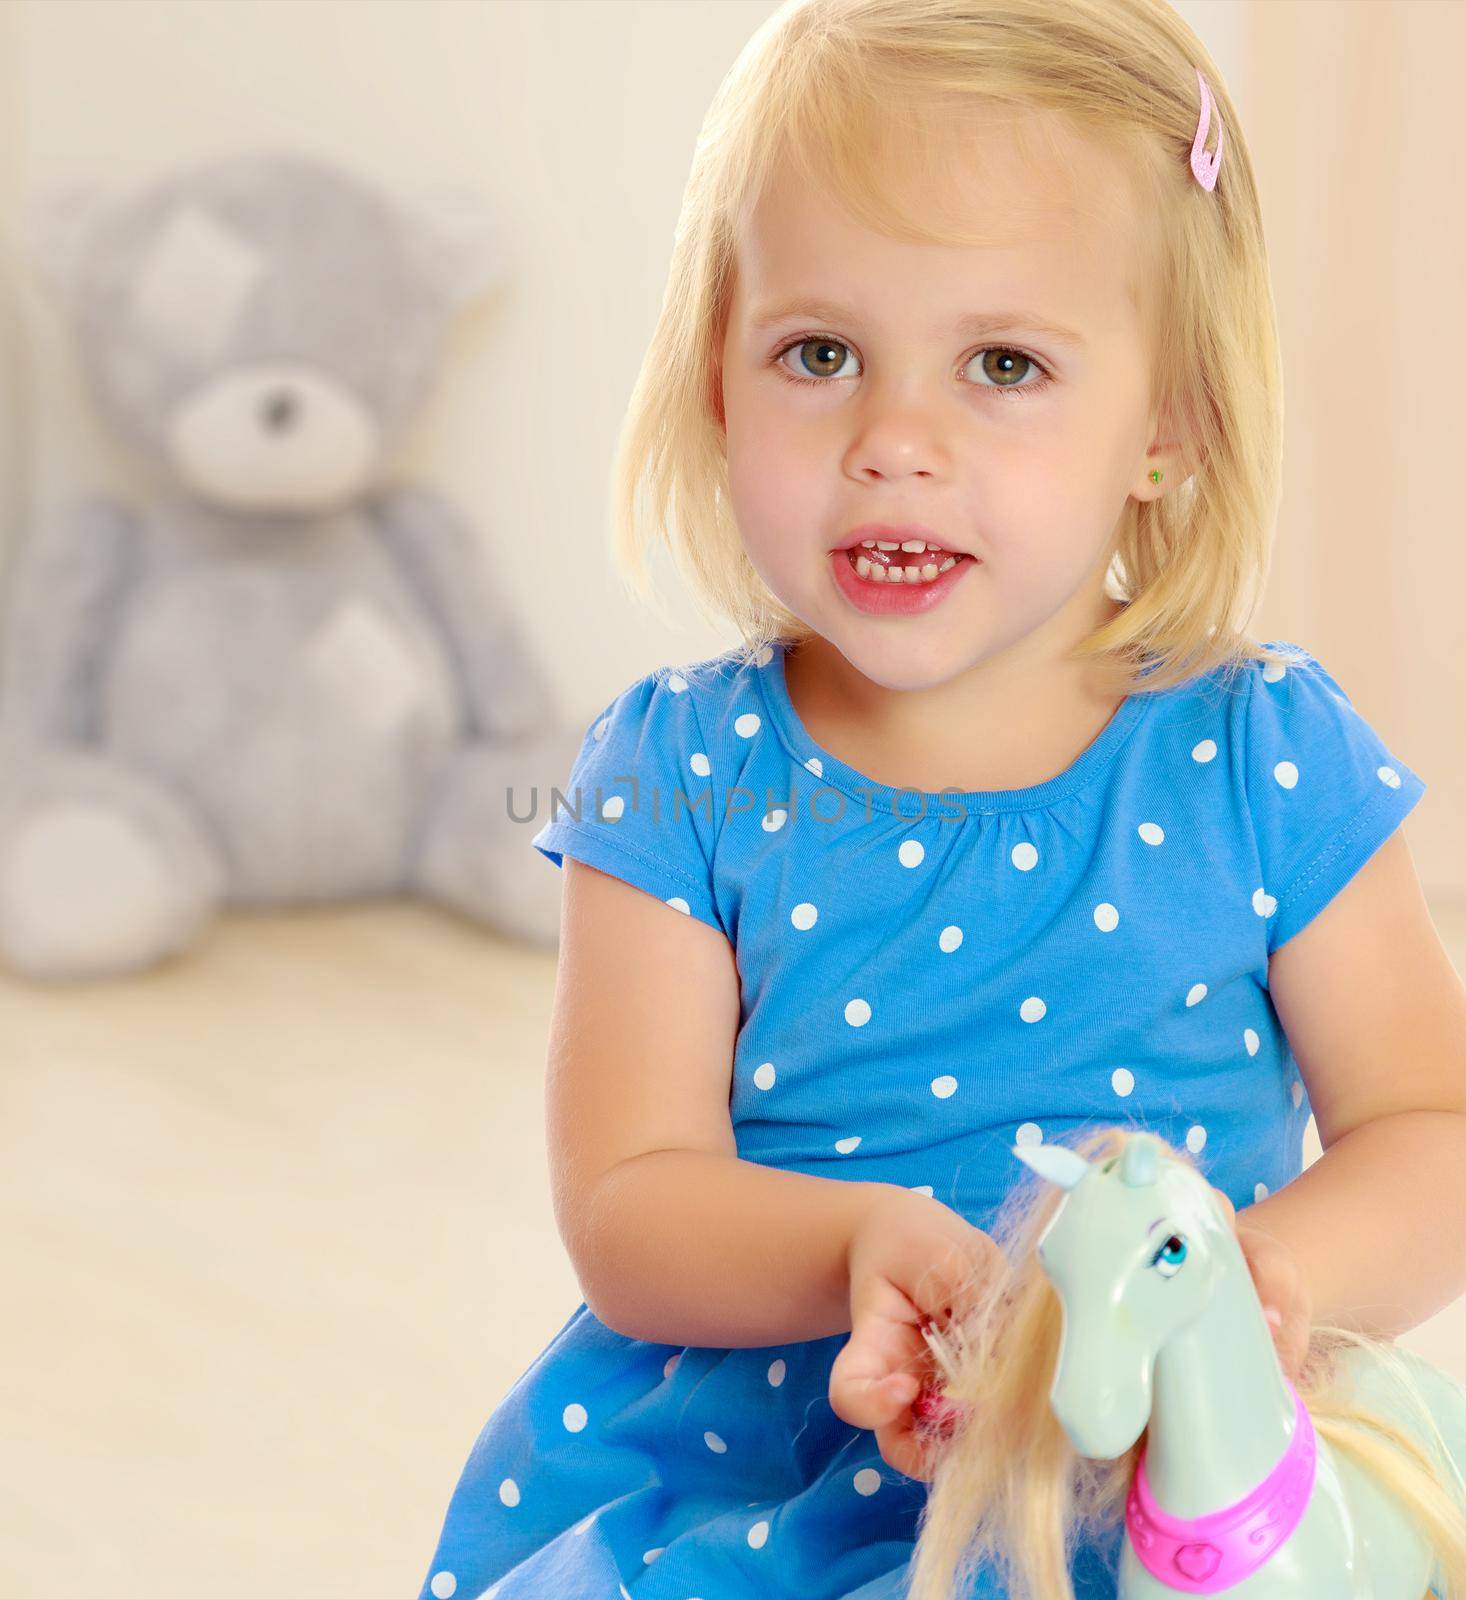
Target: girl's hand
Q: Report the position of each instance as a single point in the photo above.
(1280, 1285)
(911, 1263)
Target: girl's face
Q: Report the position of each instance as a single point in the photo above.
(1015, 445)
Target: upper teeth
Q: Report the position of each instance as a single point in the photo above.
(914, 546)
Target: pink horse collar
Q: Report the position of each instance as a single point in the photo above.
(1204, 1555)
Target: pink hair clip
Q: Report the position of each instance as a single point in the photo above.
(1205, 166)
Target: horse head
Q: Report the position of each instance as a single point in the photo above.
(1132, 1252)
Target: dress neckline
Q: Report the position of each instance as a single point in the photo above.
(795, 737)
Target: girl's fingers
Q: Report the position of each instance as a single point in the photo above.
(866, 1393)
(904, 1449)
(879, 1345)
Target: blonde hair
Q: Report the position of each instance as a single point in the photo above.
(1008, 1486)
(827, 83)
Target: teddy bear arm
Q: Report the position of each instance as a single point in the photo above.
(506, 688)
(61, 609)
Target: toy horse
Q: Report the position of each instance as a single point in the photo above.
(1140, 1317)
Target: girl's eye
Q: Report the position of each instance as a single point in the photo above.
(996, 361)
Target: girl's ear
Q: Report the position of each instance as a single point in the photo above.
(1169, 452)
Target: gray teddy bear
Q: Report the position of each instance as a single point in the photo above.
(279, 681)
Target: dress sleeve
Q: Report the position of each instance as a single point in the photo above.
(639, 800)
(1323, 791)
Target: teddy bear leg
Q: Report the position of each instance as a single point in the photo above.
(102, 870)
(474, 852)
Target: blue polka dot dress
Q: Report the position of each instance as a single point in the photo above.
(926, 980)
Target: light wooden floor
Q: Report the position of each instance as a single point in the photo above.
(277, 1238)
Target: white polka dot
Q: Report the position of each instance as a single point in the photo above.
(679, 904)
(669, 1366)
(1195, 993)
(1297, 1093)
(1122, 1080)
(949, 938)
(444, 1585)
(747, 725)
(866, 1481)
(775, 819)
(601, 728)
(857, 1013)
(1250, 1039)
(676, 683)
(1286, 774)
(758, 1536)
(648, 1556)
(1195, 1138)
(911, 852)
(845, 1146)
(613, 807)
(944, 1087)
(1032, 1009)
(574, 1417)
(1205, 751)
(1272, 671)
(700, 764)
(922, 1188)
(1029, 1133)
(1259, 1192)
(804, 915)
(816, 766)
(714, 1443)
(1388, 775)
(776, 1373)
(764, 1075)
(1106, 918)
(622, 1588)
(509, 1492)
(1024, 856)
(1263, 903)
(1151, 832)
(764, 656)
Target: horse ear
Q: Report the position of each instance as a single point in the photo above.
(1056, 1162)
(1138, 1164)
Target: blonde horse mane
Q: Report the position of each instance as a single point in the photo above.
(1007, 1487)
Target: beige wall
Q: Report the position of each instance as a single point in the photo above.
(1353, 126)
(1348, 110)
(12, 385)
(575, 119)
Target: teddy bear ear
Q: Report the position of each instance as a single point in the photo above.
(57, 227)
(458, 243)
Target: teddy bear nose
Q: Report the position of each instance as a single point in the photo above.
(279, 410)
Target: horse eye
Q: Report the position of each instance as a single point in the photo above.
(1168, 1259)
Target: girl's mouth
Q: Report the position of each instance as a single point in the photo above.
(897, 582)
(879, 564)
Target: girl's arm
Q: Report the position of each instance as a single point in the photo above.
(674, 1238)
(1376, 1016)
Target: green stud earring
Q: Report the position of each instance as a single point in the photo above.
(1156, 476)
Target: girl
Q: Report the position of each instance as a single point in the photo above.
(963, 407)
